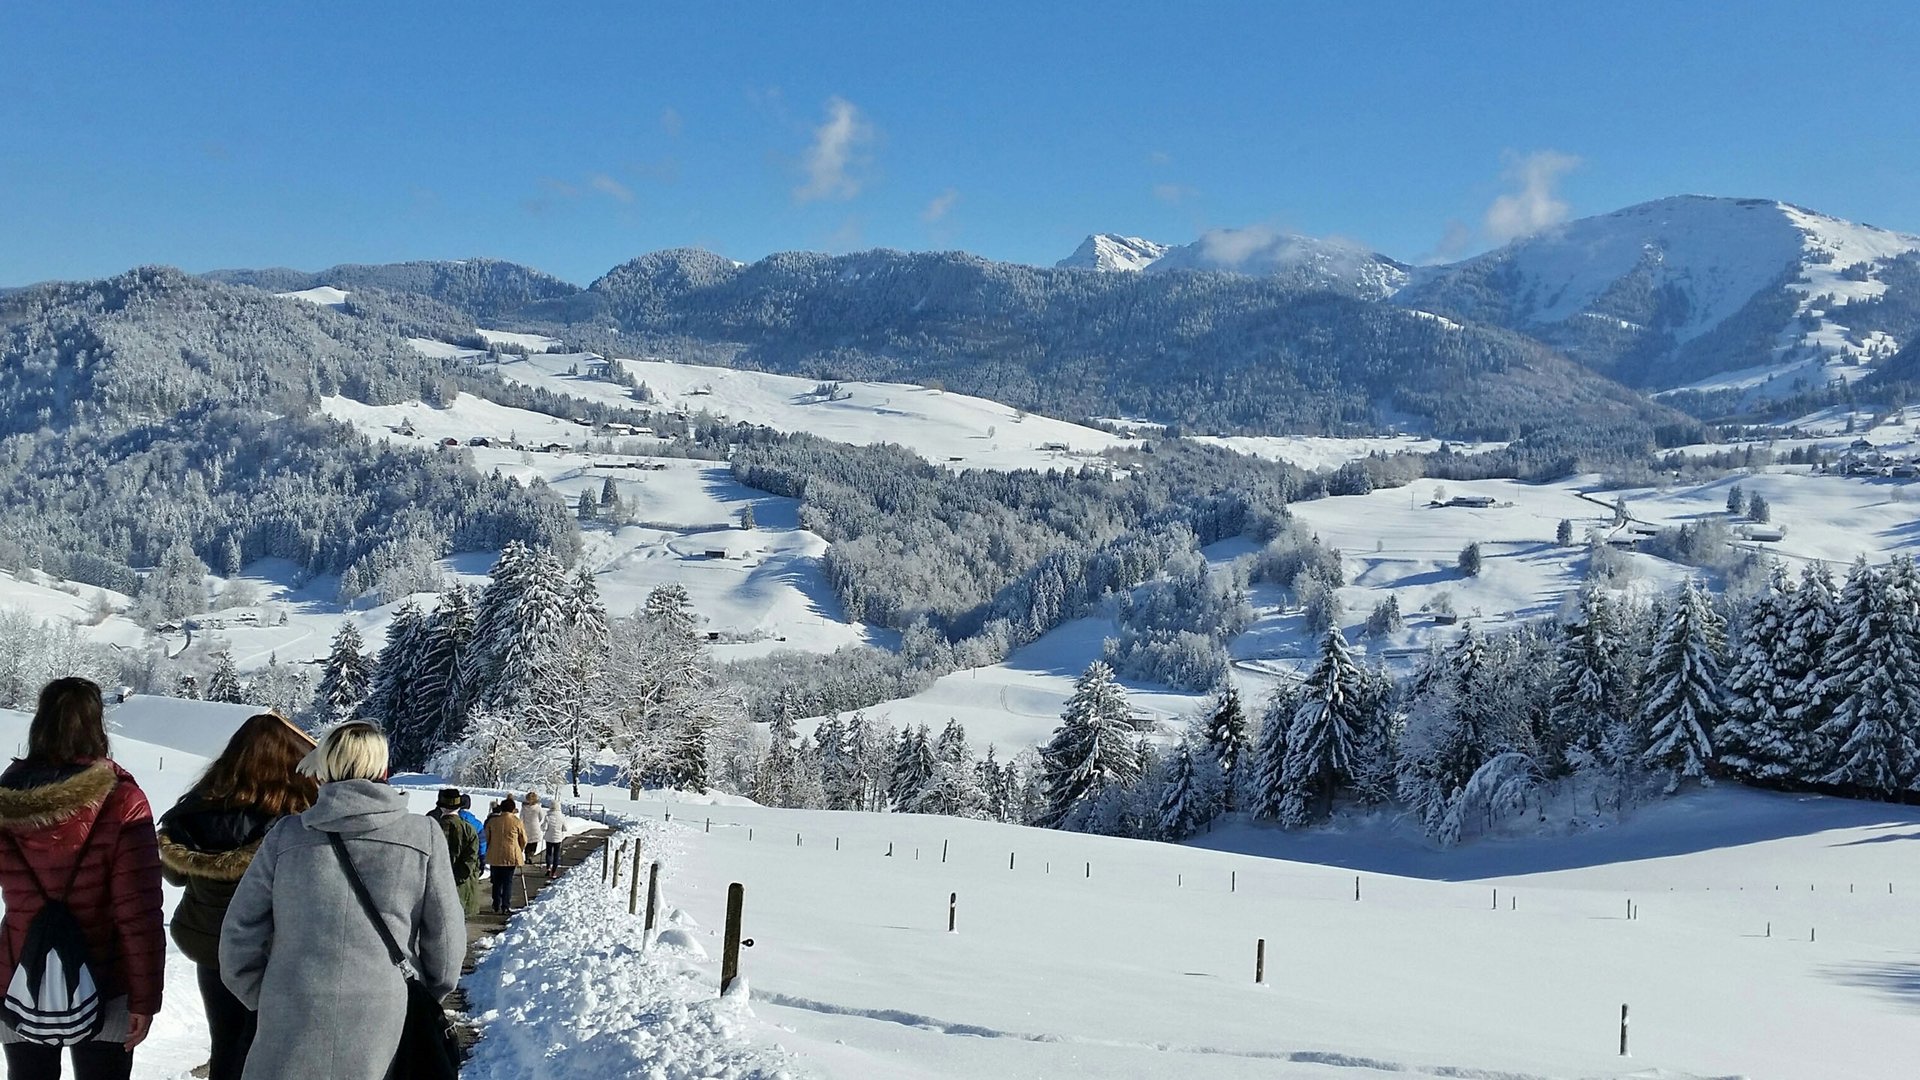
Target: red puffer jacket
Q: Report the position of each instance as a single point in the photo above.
(45, 811)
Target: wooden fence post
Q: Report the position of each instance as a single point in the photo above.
(633, 888)
(1260, 961)
(1356, 888)
(953, 907)
(730, 959)
(653, 895)
(618, 851)
(943, 851)
(1623, 1031)
(606, 858)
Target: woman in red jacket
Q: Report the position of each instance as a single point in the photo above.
(65, 801)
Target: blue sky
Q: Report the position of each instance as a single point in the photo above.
(216, 135)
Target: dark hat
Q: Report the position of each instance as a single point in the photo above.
(449, 798)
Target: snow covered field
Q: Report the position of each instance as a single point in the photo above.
(945, 428)
(1315, 452)
(1114, 958)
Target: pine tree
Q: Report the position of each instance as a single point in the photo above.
(224, 685)
(344, 679)
(1470, 560)
(952, 747)
(1227, 737)
(390, 700)
(609, 494)
(1587, 683)
(1092, 749)
(587, 508)
(1877, 676)
(1812, 621)
(1263, 788)
(1329, 736)
(1755, 740)
(1682, 702)
(913, 768)
(1736, 500)
(1563, 533)
(1189, 798)
(433, 720)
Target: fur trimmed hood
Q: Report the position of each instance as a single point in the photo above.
(214, 865)
(44, 805)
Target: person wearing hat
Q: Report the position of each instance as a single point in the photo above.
(463, 844)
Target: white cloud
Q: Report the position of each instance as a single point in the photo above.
(1456, 240)
(607, 185)
(1159, 158)
(1535, 205)
(836, 153)
(940, 206)
(670, 122)
(1173, 194)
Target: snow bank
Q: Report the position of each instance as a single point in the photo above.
(571, 991)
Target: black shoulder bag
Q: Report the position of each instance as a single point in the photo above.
(428, 1048)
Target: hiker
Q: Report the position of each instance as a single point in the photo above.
(301, 946)
(532, 817)
(206, 843)
(463, 847)
(553, 829)
(506, 850)
(76, 836)
(479, 830)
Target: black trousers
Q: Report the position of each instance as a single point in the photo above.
(553, 859)
(96, 1060)
(503, 887)
(230, 1024)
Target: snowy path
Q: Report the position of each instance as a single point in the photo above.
(573, 990)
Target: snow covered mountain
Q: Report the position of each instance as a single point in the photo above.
(1697, 292)
(1257, 251)
(1109, 252)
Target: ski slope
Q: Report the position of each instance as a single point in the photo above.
(1767, 944)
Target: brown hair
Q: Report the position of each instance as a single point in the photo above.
(68, 724)
(258, 769)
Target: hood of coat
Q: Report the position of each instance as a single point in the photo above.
(355, 806)
(36, 796)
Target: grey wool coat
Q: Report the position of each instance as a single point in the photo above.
(297, 945)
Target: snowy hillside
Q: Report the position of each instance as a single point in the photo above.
(945, 428)
(1303, 260)
(1694, 292)
(1759, 918)
(1113, 253)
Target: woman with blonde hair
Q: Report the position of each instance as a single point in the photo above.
(299, 944)
(207, 842)
(76, 831)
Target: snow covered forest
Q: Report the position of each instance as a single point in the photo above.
(1802, 684)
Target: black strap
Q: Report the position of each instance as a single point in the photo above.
(366, 903)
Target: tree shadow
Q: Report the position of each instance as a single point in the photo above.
(1900, 981)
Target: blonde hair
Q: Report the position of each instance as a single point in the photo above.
(533, 799)
(352, 751)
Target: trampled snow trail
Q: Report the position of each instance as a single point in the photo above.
(573, 991)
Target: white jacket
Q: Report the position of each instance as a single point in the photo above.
(533, 816)
(554, 827)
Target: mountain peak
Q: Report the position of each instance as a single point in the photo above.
(1111, 252)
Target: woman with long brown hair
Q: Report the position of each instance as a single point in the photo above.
(76, 831)
(206, 843)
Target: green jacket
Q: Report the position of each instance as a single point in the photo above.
(463, 844)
